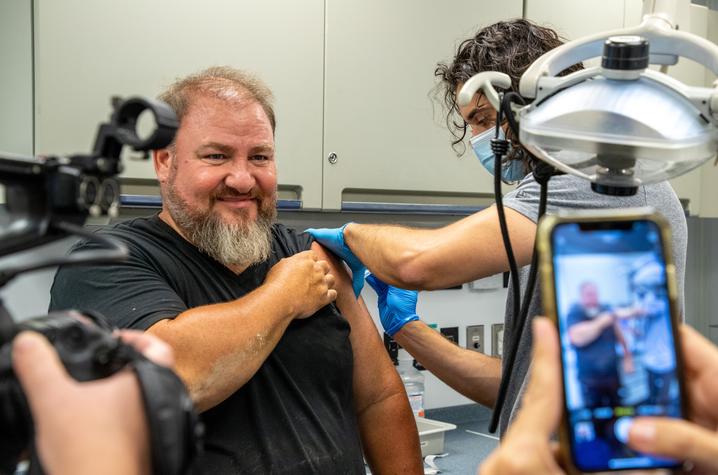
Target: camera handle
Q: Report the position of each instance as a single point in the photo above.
(7, 325)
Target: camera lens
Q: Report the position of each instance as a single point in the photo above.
(88, 192)
(108, 194)
(74, 336)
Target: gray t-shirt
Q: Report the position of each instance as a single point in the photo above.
(570, 192)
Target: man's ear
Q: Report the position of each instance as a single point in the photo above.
(162, 159)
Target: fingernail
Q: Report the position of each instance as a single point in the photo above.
(642, 431)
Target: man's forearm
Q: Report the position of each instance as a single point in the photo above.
(585, 333)
(389, 436)
(471, 373)
(220, 347)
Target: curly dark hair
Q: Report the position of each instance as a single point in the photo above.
(507, 46)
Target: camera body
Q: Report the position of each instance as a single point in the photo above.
(89, 351)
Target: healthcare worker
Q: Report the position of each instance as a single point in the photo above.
(472, 248)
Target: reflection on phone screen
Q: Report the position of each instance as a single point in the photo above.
(618, 350)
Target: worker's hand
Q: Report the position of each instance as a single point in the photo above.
(397, 307)
(86, 428)
(527, 447)
(304, 281)
(333, 239)
(695, 440)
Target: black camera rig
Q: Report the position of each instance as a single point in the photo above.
(49, 198)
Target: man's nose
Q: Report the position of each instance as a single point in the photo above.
(240, 177)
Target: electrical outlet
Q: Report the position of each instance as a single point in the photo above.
(451, 333)
(475, 338)
(497, 340)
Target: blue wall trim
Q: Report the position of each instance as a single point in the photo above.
(147, 201)
(409, 208)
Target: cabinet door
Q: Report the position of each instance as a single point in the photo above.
(16, 77)
(379, 118)
(89, 51)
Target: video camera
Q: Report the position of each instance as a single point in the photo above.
(49, 198)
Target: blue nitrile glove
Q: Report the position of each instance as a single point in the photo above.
(333, 239)
(397, 307)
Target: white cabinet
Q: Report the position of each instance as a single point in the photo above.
(88, 51)
(16, 77)
(709, 171)
(389, 137)
(576, 18)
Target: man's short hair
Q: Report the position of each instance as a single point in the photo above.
(222, 82)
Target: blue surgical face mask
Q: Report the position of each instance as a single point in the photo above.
(481, 143)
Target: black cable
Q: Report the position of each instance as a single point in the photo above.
(114, 252)
(500, 147)
(542, 174)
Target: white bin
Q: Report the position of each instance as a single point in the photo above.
(431, 435)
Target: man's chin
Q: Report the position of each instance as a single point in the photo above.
(235, 217)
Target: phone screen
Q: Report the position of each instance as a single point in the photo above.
(617, 338)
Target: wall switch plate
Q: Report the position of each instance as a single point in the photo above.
(475, 338)
(451, 333)
(497, 340)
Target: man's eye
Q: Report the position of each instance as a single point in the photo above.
(215, 156)
(259, 158)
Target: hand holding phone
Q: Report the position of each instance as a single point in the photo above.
(528, 447)
(695, 441)
(608, 284)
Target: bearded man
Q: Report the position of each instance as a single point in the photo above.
(286, 380)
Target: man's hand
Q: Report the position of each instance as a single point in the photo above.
(106, 417)
(695, 440)
(333, 239)
(305, 280)
(527, 447)
(397, 307)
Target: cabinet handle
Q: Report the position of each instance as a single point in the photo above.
(333, 158)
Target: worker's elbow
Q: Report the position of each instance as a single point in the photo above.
(413, 271)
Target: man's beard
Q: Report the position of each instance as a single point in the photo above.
(242, 243)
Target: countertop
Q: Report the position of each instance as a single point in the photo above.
(470, 443)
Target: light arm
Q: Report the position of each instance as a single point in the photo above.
(469, 249)
(584, 333)
(471, 373)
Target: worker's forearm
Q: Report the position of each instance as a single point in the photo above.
(428, 259)
(388, 251)
(471, 373)
(220, 347)
(389, 436)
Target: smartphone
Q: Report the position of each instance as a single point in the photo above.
(608, 281)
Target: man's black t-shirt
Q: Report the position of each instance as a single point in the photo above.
(295, 415)
(598, 360)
